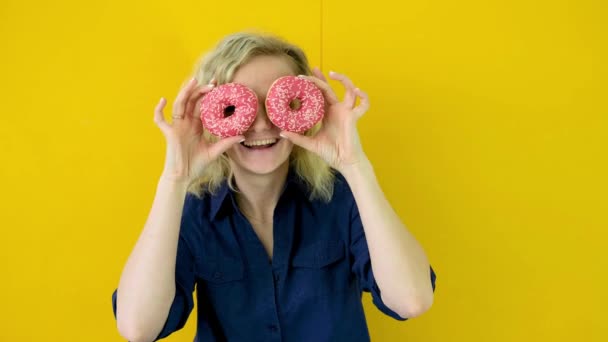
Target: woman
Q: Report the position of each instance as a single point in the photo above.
(280, 240)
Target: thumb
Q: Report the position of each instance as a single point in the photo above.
(223, 145)
(300, 140)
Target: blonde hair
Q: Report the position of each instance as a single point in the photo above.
(221, 63)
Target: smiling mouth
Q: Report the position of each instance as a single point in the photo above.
(260, 144)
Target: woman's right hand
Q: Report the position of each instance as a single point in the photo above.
(188, 152)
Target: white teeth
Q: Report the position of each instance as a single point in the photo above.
(260, 142)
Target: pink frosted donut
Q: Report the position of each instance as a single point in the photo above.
(229, 109)
(294, 104)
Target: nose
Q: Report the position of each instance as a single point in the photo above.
(261, 122)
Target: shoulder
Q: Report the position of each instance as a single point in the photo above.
(197, 209)
(342, 197)
(194, 203)
(342, 190)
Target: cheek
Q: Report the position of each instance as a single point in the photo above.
(287, 147)
(231, 152)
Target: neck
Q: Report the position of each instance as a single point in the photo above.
(258, 194)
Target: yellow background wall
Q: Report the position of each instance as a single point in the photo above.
(487, 130)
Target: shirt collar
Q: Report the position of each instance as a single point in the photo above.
(218, 199)
(223, 195)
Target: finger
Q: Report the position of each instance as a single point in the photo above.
(223, 145)
(319, 74)
(328, 93)
(349, 95)
(194, 98)
(300, 140)
(363, 105)
(180, 101)
(159, 118)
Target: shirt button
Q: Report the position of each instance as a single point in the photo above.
(217, 275)
(273, 328)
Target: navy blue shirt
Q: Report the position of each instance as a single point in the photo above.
(310, 291)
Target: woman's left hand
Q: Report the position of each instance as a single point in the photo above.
(337, 142)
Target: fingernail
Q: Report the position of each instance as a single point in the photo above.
(240, 141)
(282, 135)
(210, 85)
(302, 76)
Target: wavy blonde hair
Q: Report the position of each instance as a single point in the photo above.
(221, 63)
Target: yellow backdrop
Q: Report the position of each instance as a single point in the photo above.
(487, 130)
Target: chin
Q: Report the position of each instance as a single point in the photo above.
(260, 161)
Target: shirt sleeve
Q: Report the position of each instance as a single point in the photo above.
(362, 266)
(184, 281)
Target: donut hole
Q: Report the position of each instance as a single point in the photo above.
(229, 111)
(295, 104)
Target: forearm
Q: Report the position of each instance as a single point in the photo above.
(147, 284)
(400, 265)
